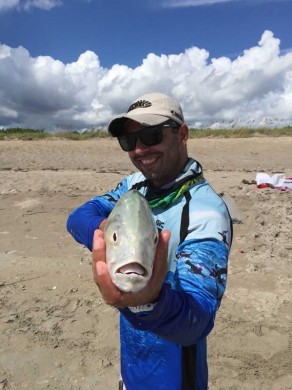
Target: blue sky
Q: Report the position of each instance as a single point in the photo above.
(112, 43)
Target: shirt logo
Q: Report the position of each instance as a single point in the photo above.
(160, 225)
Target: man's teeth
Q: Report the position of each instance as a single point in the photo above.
(148, 161)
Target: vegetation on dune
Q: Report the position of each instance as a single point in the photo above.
(35, 134)
(75, 135)
(25, 134)
(241, 133)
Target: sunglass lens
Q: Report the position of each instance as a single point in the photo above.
(151, 136)
(127, 142)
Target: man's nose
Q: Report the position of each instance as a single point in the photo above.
(140, 146)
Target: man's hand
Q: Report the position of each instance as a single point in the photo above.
(102, 224)
(117, 298)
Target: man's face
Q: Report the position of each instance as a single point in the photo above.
(160, 163)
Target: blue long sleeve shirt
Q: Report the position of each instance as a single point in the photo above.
(165, 347)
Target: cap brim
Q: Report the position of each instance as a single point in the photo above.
(116, 126)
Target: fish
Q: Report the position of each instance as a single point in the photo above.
(131, 238)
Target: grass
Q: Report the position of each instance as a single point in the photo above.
(242, 133)
(23, 134)
(35, 134)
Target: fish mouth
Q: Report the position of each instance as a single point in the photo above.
(133, 269)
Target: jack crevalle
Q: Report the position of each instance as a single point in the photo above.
(131, 238)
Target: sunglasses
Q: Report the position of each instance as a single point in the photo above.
(149, 136)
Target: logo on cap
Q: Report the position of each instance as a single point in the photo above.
(176, 115)
(139, 104)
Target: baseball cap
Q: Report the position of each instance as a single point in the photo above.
(150, 109)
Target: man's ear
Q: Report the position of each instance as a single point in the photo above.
(184, 133)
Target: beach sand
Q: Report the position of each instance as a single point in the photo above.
(55, 330)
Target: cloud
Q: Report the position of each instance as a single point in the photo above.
(191, 3)
(26, 5)
(42, 92)
(197, 3)
(43, 4)
(8, 4)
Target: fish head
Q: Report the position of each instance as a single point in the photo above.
(131, 238)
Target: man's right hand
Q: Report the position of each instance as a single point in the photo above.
(102, 224)
(120, 299)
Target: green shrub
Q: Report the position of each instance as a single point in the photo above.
(23, 134)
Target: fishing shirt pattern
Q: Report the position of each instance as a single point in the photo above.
(165, 347)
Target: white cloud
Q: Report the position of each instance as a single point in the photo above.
(47, 5)
(43, 4)
(191, 3)
(8, 4)
(197, 3)
(42, 92)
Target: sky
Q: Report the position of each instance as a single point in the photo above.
(74, 64)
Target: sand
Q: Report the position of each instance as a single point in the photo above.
(55, 331)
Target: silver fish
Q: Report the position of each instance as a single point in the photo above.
(131, 238)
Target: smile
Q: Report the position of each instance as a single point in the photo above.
(148, 161)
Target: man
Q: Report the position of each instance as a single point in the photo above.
(163, 328)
